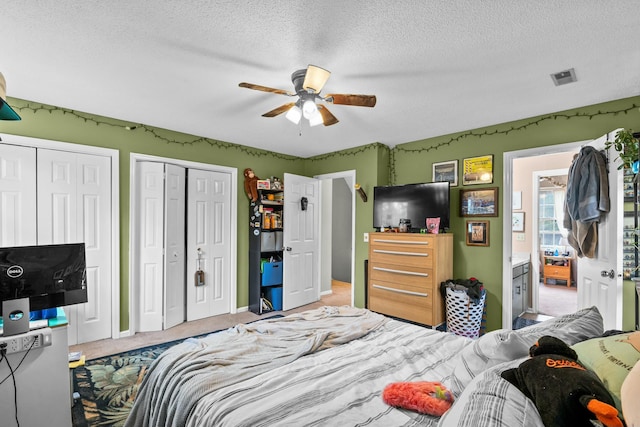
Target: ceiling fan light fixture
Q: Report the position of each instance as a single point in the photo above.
(309, 109)
(316, 119)
(294, 114)
(315, 78)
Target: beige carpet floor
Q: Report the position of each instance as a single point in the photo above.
(556, 300)
(340, 295)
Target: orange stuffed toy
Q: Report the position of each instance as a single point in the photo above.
(426, 397)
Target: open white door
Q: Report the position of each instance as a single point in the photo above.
(301, 272)
(600, 279)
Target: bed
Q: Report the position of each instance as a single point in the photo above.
(329, 366)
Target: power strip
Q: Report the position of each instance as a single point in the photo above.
(27, 341)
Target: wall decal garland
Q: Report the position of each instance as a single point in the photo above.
(255, 152)
(500, 132)
(348, 152)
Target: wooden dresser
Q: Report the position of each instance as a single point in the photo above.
(405, 272)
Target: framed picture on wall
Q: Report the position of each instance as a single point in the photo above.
(477, 233)
(477, 170)
(517, 200)
(446, 172)
(481, 202)
(517, 222)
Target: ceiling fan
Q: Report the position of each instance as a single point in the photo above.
(308, 83)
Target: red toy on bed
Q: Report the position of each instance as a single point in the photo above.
(426, 397)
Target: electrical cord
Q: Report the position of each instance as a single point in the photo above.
(19, 363)
(3, 356)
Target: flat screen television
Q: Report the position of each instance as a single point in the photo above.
(415, 202)
(50, 276)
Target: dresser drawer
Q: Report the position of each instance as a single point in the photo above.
(391, 299)
(557, 272)
(417, 256)
(414, 277)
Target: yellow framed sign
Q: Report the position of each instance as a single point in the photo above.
(477, 170)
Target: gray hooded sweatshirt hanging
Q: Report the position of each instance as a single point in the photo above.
(587, 199)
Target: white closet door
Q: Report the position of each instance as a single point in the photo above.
(174, 232)
(17, 195)
(150, 258)
(74, 205)
(208, 228)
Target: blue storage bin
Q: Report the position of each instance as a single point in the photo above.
(274, 295)
(272, 273)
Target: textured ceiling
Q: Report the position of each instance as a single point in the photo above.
(436, 67)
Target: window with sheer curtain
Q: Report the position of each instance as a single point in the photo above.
(551, 233)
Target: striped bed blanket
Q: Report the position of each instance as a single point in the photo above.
(329, 366)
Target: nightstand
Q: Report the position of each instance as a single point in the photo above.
(558, 268)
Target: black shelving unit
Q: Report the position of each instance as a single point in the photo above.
(265, 251)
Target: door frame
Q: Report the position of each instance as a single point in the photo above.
(535, 240)
(134, 158)
(507, 210)
(350, 177)
(114, 156)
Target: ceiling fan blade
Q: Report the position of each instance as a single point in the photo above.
(327, 118)
(315, 78)
(281, 109)
(351, 99)
(266, 89)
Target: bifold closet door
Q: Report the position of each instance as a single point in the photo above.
(160, 246)
(208, 229)
(17, 195)
(74, 205)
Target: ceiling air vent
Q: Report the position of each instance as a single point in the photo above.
(564, 77)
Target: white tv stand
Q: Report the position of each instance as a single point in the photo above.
(42, 382)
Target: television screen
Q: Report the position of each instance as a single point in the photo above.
(415, 202)
(50, 276)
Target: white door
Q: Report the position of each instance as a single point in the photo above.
(301, 228)
(209, 231)
(150, 247)
(17, 195)
(600, 278)
(174, 254)
(74, 205)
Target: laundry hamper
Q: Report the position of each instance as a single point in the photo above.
(464, 316)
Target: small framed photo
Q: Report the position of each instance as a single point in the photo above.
(517, 200)
(477, 233)
(477, 170)
(446, 172)
(264, 184)
(517, 221)
(481, 202)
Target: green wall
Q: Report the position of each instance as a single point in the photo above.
(375, 164)
(412, 163)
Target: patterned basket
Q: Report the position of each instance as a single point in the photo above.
(463, 316)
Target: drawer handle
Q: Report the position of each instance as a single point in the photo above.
(401, 291)
(412, 273)
(380, 251)
(404, 242)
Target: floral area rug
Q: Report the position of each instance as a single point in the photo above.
(109, 385)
